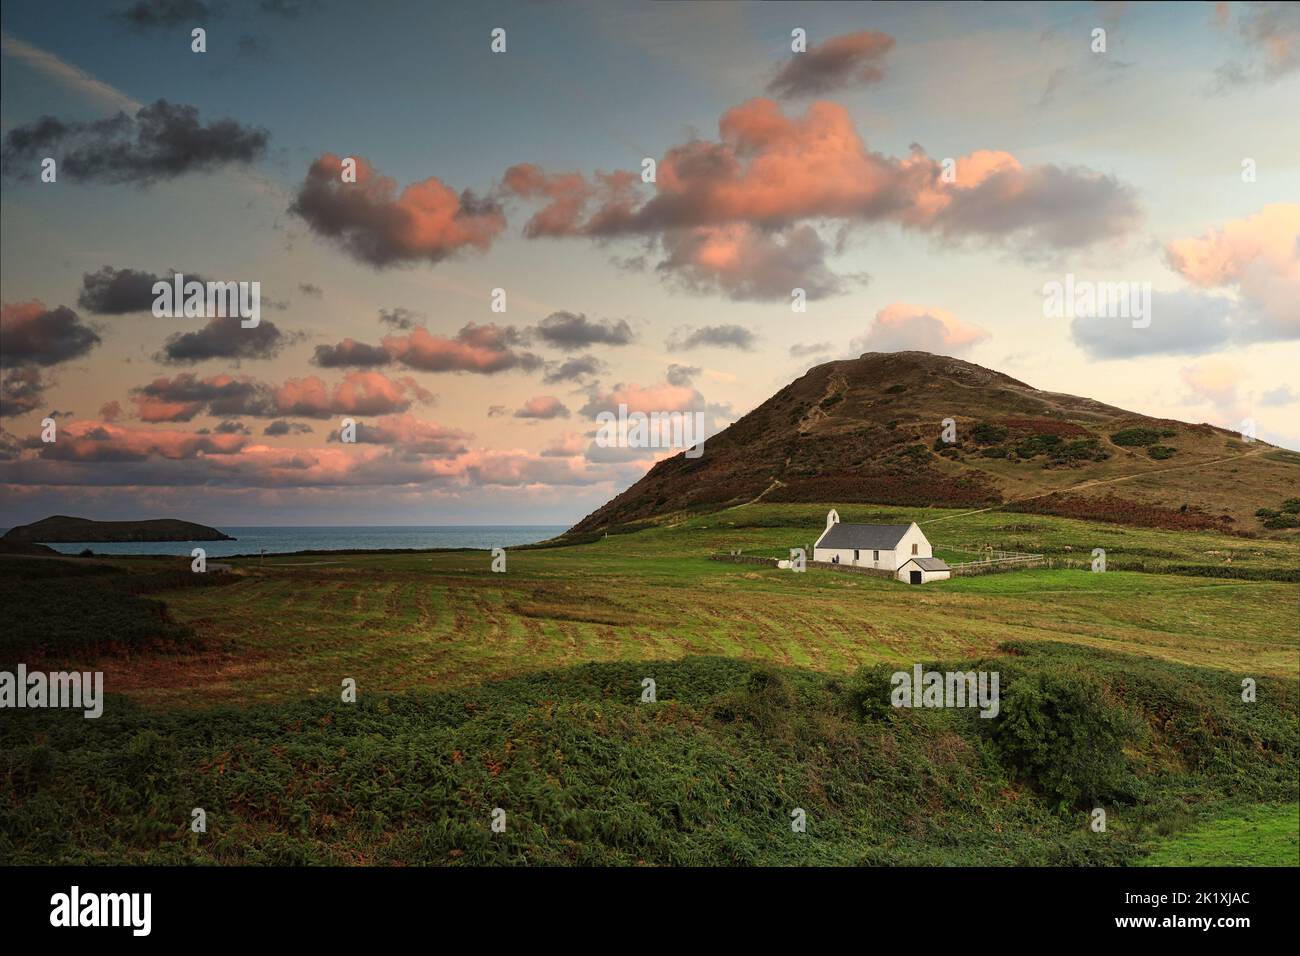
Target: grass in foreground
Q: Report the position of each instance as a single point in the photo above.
(1253, 836)
(709, 774)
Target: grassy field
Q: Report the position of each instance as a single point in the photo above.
(297, 625)
(1255, 836)
(480, 689)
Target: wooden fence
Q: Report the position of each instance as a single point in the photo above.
(997, 561)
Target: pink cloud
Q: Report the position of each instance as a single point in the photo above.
(1258, 257)
(374, 223)
(719, 207)
(360, 393)
(484, 349)
(105, 441)
(646, 398)
(902, 327)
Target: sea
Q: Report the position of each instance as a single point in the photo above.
(359, 538)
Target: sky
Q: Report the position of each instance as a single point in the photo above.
(921, 172)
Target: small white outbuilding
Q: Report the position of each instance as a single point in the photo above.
(923, 570)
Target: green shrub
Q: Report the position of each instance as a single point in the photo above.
(868, 690)
(1139, 436)
(1037, 445)
(1161, 452)
(1282, 521)
(1291, 505)
(987, 434)
(1058, 729)
(1080, 449)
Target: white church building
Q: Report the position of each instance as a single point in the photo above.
(900, 548)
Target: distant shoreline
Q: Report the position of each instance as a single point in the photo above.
(316, 540)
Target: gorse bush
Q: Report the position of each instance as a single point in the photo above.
(1061, 732)
(986, 434)
(1137, 437)
(1282, 521)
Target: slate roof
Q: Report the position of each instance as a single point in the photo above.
(864, 537)
(927, 564)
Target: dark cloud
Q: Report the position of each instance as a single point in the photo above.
(712, 336)
(570, 331)
(120, 291)
(147, 15)
(496, 411)
(400, 318)
(163, 141)
(375, 224)
(572, 369)
(223, 337)
(1054, 206)
(800, 350)
(281, 427)
(251, 47)
(311, 289)
(288, 9)
(232, 428)
(544, 408)
(682, 374)
(614, 454)
(35, 335)
(351, 354)
(852, 59)
(21, 390)
(182, 398)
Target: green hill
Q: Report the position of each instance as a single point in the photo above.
(61, 528)
(867, 430)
